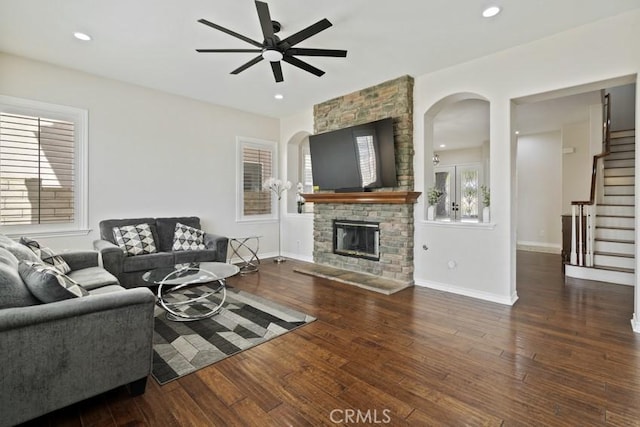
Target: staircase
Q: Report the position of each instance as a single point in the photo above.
(614, 241)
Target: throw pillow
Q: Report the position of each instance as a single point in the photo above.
(187, 238)
(47, 283)
(135, 239)
(46, 255)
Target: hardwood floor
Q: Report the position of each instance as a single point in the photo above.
(564, 354)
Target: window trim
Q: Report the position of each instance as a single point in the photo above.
(262, 144)
(80, 118)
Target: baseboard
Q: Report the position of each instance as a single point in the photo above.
(485, 296)
(635, 324)
(548, 248)
(266, 255)
(298, 257)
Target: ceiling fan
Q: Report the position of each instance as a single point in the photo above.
(275, 50)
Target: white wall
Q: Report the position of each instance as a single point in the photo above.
(576, 166)
(539, 170)
(150, 153)
(459, 157)
(485, 257)
(297, 229)
(623, 110)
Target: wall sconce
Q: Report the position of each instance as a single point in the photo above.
(436, 160)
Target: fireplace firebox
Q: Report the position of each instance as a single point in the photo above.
(358, 239)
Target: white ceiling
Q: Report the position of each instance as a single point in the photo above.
(152, 42)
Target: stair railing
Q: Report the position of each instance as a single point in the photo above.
(583, 212)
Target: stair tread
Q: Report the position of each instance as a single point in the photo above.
(616, 133)
(615, 254)
(615, 240)
(613, 227)
(621, 269)
(613, 216)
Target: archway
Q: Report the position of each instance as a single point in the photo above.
(457, 156)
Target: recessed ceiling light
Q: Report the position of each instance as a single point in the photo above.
(443, 145)
(82, 36)
(278, 96)
(491, 11)
(517, 132)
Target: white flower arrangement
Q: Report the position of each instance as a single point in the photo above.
(277, 186)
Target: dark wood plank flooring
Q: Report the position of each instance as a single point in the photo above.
(564, 354)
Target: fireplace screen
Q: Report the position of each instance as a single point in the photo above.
(356, 239)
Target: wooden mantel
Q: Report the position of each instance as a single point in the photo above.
(387, 197)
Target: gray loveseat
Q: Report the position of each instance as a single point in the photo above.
(59, 353)
(129, 269)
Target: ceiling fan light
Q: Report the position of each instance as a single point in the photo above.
(272, 55)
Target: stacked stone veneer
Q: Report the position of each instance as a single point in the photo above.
(390, 99)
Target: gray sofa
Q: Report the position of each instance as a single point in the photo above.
(59, 353)
(129, 269)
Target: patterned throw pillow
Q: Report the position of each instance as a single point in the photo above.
(135, 239)
(46, 255)
(47, 283)
(187, 238)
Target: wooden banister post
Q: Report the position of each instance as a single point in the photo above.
(574, 255)
(589, 242)
(580, 242)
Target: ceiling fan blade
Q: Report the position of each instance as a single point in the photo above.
(317, 52)
(277, 71)
(303, 65)
(228, 50)
(265, 23)
(311, 30)
(231, 33)
(254, 61)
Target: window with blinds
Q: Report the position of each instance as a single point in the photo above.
(37, 161)
(257, 167)
(306, 172)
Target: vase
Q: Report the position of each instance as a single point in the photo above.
(431, 213)
(486, 214)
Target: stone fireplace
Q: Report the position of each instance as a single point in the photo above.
(391, 209)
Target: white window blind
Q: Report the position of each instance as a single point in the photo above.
(37, 161)
(367, 159)
(257, 166)
(307, 172)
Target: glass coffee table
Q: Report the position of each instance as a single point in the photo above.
(179, 296)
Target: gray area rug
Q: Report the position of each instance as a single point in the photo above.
(244, 321)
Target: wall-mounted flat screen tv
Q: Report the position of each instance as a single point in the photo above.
(356, 158)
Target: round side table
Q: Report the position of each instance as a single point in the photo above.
(251, 244)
